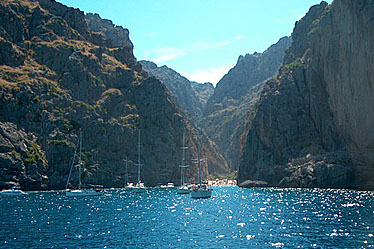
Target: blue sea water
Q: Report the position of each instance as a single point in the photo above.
(232, 218)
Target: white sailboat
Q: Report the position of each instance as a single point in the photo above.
(183, 189)
(129, 185)
(139, 186)
(94, 190)
(168, 186)
(200, 191)
(13, 191)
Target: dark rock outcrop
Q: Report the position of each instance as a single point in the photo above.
(312, 126)
(58, 78)
(21, 159)
(253, 184)
(179, 87)
(203, 91)
(116, 36)
(225, 112)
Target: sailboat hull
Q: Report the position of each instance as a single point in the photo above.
(129, 188)
(12, 192)
(183, 190)
(201, 193)
(84, 192)
(140, 190)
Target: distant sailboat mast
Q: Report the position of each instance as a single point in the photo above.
(201, 191)
(139, 157)
(127, 172)
(183, 160)
(80, 160)
(94, 190)
(71, 165)
(198, 150)
(183, 189)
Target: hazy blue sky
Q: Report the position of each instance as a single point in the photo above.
(201, 39)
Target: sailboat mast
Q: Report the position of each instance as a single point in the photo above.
(139, 157)
(127, 173)
(72, 164)
(198, 150)
(183, 154)
(80, 160)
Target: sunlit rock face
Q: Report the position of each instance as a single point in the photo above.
(312, 125)
(60, 74)
(179, 87)
(203, 91)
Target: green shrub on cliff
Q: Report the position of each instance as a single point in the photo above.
(33, 154)
(58, 142)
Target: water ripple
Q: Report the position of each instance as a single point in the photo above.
(233, 218)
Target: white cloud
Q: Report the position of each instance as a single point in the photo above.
(150, 35)
(239, 37)
(298, 13)
(204, 46)
(294, 15)
(281, 20)
(167, 57)
(212, 75)
(166, 53)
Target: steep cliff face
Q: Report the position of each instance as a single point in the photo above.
(57, 78)
(115, 36)
(312, 124)
(21, 159)
(203, 91)
(225, 112)
(179, 87)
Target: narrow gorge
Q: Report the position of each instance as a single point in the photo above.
(299, 114)
(226, 110)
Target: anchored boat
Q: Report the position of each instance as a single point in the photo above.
(200, 191)
(129, 186)
(13, 191)
(183, 189)
(82, 190)
(139, 186)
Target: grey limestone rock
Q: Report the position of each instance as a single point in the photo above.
(116, 36)
(311, 126)
(21, 162)
(203, 91)
(179, 87)
(69, 79)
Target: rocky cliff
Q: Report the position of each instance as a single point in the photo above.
(203, 91)
(115, 36)
(312, 126)
(21, 158)
(179, 87)
(57, 78)
(225, 112)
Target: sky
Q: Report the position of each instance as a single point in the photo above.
(200, 39)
